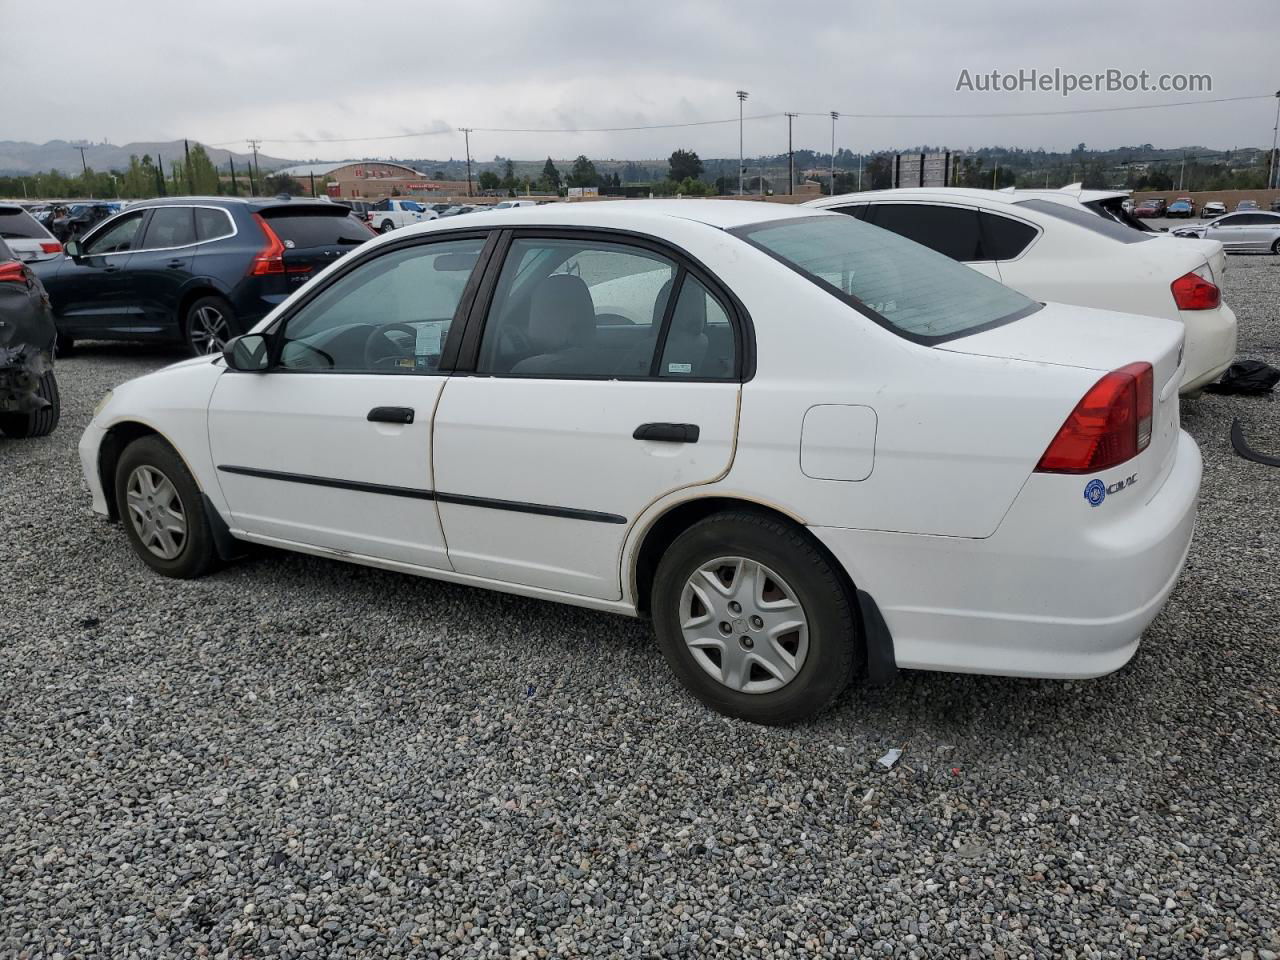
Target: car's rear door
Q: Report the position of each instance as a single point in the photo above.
(1228, 231)
(604, 375)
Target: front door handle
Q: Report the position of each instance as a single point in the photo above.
(391, 415)
(667, 432)
(176, 263)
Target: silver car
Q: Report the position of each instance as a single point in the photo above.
(1255, 231)
(26, 236)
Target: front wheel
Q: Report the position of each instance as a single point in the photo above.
(1275, 248)
(754, 619)
(387, 226)
(208, 325)
(162, 511)
(36, 423)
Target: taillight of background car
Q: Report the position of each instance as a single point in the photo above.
(1111, 424)
(1196, 290)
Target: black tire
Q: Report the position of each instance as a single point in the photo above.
(387, 226)
(201, 332)
(64, 345)
(835, 648)
(39, 423)
(197, 554)
(1275, 248)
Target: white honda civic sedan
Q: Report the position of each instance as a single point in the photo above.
(807, 448)
(1052, 247)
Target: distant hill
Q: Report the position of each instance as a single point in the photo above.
(23, 157)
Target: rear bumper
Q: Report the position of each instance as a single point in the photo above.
(1211, 345)
(1061, 590)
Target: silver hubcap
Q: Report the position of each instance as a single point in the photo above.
(209, 330)
(744, 625)
(155, 510)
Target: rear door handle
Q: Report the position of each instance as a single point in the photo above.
(667, 432)
(391, 415)
(175, 263)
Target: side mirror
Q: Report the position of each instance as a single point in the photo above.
(250, 353)
(72, 249)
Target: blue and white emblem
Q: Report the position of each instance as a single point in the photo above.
(1095, 491)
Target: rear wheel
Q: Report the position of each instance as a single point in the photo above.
(387, 226)
(753, 618)
(1275, 248)
(162, 510)
(63, 345)
(37, 423)
(208, 326)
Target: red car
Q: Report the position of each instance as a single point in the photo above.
(1149, 208)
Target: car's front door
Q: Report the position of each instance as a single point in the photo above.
(1229, 231)
(331, 447)
(90, 292)
(607, 375)
(161, 266)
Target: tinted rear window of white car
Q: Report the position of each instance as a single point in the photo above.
(909, 289)
(1090, 221)
(17, 224)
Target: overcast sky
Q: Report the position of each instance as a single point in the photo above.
(220, 73)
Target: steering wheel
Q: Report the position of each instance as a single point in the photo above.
(375, 352)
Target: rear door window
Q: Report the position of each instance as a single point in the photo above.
(170, 227)
(951, 231)
(1003, 238)
(316, 228)
(17, 224)
(1083, 218)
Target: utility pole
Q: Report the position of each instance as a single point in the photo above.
(995, 177)
(466, 136)
(834, 117)
(312, 174)
(254, 170)
(85, 167)
(859, 172)
(791, 158)
(1271, 175)
(742, 96)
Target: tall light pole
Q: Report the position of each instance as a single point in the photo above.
(466, 135)
(834, 117)
(1271, 174)
(791, 158)
(742, 96)
(254, 171)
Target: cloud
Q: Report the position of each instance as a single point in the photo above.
(356, 70)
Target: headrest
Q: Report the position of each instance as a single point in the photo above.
(560, 312)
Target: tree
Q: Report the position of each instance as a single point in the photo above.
(204, 176)
(583, 173)
(489, 180)
(509, 175)
(277, 183)
(550, 175)
(684, 164)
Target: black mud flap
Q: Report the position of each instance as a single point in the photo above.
(228, 547)
(1242, 448)
(882, 665)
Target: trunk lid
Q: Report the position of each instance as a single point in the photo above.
(314, 236)
(1100, 341)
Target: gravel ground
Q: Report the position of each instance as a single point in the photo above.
(300, 758)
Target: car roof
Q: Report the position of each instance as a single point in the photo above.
(251, 204)
(722, 214)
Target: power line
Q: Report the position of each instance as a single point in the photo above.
(1039, 113)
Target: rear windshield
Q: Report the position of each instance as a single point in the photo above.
(908, 288)
(1083, 218)
(321, 227)
(1113, 209)
(17, 224)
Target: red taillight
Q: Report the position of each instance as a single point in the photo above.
(1193, 291)
(13, 272)
(53, 246)
(1110, 425)
(271, 259)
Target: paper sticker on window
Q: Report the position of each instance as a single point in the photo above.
(679, 368)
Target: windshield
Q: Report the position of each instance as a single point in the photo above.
(909, 289)
(410, 205)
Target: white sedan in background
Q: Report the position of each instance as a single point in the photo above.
(803, 446)
(1053, 248)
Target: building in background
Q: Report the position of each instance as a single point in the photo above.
(373, 179)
